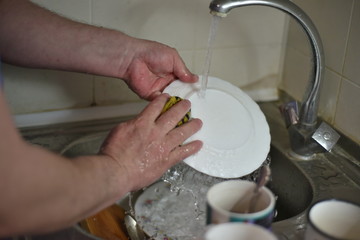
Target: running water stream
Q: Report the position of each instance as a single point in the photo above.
(205, 74)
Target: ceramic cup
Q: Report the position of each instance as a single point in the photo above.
(237, 231)
(333, 219)
(222, 197)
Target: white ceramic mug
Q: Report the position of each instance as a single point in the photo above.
(238, 231)
(333, 219)
(222, 197)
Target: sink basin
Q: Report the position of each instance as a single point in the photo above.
(300, 183)
(292, 188)
(290, 185)
(296, 183)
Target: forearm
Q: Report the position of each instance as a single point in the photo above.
(34, 37)
(49, 192)
(42, 191)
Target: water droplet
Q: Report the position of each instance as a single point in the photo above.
(180, 210)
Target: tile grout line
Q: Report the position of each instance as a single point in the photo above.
(344, 59)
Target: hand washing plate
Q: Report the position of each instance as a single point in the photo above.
(235, 132)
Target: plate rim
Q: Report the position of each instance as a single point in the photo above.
(256, 116)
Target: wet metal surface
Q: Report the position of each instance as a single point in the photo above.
(296, 183)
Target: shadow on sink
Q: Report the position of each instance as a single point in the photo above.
(291, 187)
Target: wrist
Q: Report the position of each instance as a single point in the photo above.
(118, 177)
(102, 178)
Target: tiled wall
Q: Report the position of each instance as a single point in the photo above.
(247, 49)
(338, 23)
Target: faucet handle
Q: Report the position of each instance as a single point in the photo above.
(290, 112)
(326, 136)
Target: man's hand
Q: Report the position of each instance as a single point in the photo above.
(152, 67)
(147, 146)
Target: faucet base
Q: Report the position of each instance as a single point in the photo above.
(326, 136)
(306, 141)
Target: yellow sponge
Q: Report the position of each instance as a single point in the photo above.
(171, 102)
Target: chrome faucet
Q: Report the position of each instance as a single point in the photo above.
(305, 137)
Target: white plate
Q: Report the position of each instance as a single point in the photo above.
(235, 132)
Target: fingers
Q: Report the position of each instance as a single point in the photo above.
(159, 85)
(182, 72)
(175, 139)
(166, 123)
(153, 95)
(154, 108)
(178, 135)
(185, 151)
(169, 119)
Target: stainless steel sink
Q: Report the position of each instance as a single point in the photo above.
(296, 183)
(291, 186)
(300, 183)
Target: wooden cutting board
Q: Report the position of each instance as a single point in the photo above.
(107, 224)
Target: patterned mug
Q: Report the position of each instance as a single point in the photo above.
(222, 197)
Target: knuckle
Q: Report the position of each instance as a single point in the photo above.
(141, 123)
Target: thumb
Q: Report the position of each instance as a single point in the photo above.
(153, 95)
(183, 73)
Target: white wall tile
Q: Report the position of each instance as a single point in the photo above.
(188, 56)
(340, 95)
(296, 73)
(168, 21)
(249, 38)
(247, 50)
(77, 10)
(242, 66)
(297, 38)
(185, 25)
(348, 110)
(352, 60)
(111, 91)
(295, 79)
(329, 94)
(331, 18)
(252, 25)
(31, 90)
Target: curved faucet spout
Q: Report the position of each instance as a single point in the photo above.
(309, 108)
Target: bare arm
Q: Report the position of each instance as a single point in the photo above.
(41, 191)
(34, 37)
(31, 36)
